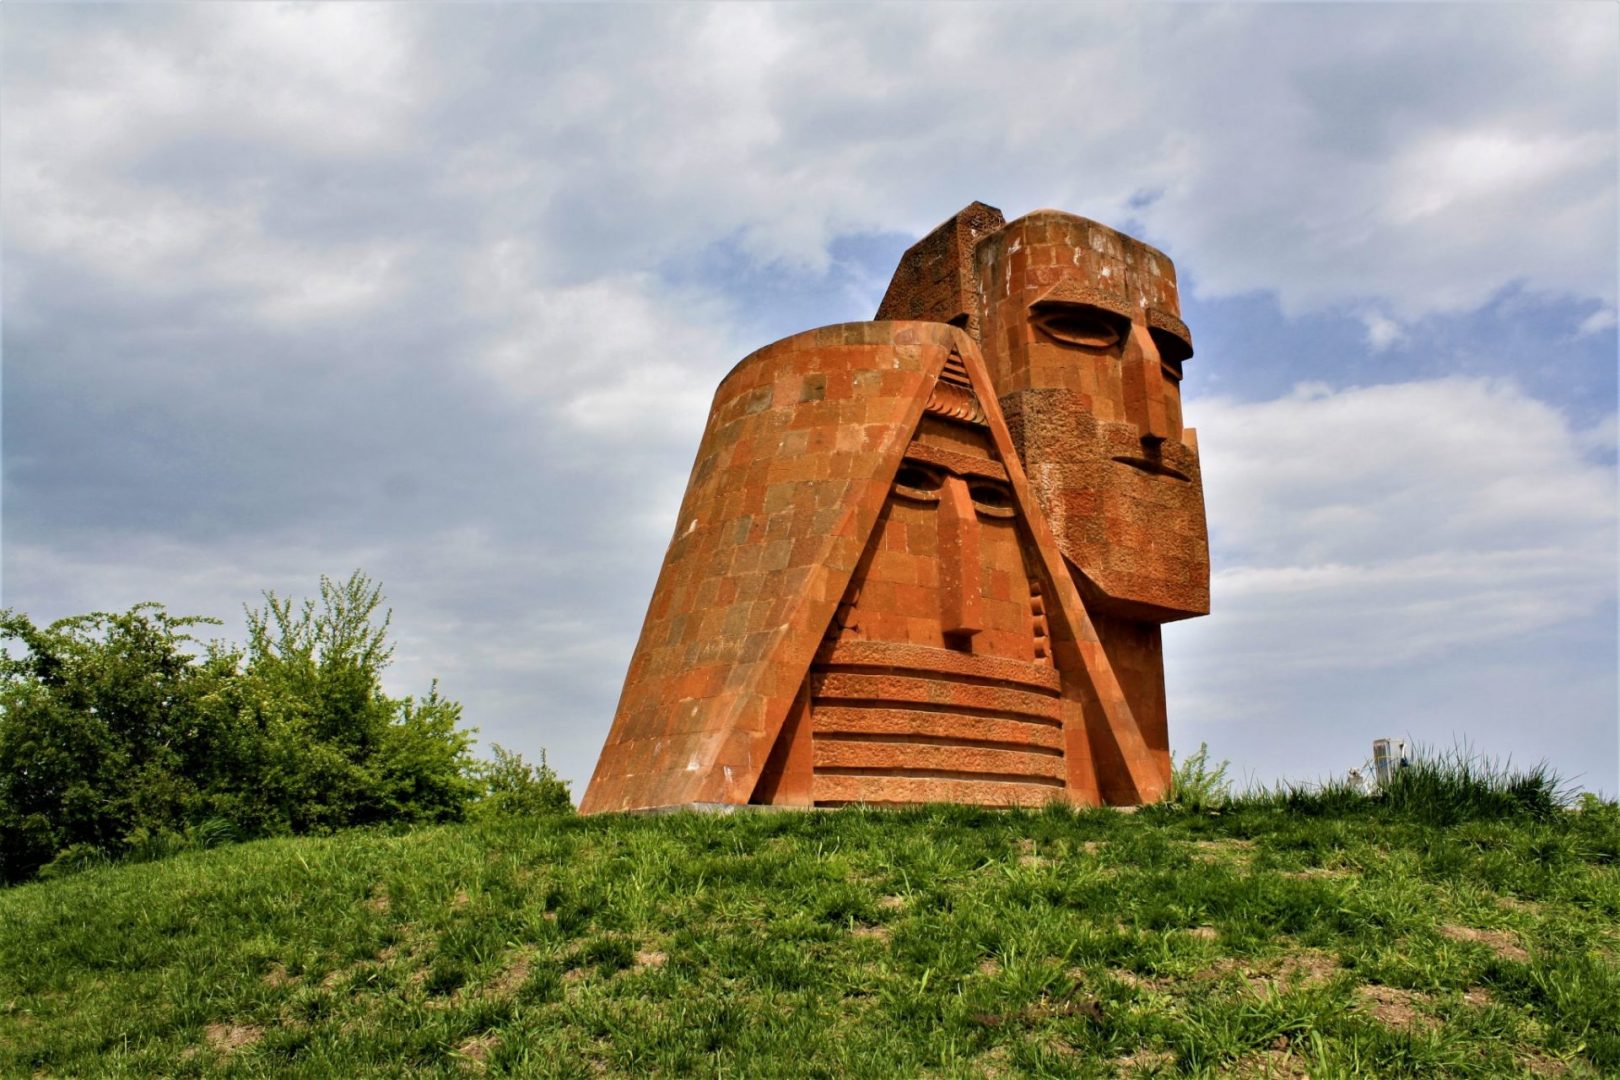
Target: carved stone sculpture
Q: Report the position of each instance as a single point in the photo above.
(926, 559)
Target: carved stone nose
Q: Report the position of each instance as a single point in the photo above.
(962, 608)
(1152, 421)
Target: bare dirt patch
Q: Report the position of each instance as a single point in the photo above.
(1315, 872)
(1043, 1009)
(1219, 851)
(891, 903)
(651, 959)
(476, 1050)
(1513, 903)
(1542, 1065)
(881, 933)
(1394, 1007)
(1477, 996)
(1145, 1061)
(379, 902)
(1027, 855)
(993, 1062)
(989, 968)
(512, 976)
(1204, 933)
(1263, 977)
(1273, 1062)
(1302, 968)
(277, 978)
(1222, 967)
(1134, 980)
(1502, 942)
(460, 900)
(229, 1038)
(1309, 967)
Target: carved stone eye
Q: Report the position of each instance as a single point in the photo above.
(1076, 324)
(991, 495)
(991, 499)
(917, 482)
(1171, 347)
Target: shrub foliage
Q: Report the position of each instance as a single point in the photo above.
(1197, 785)
(123, 735)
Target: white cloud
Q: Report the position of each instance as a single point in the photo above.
(1432, 559)
(1602, 437)
(1600, 320)
(336, 80)
(618, 358)
(102, 116)
(1403, 470)
(1415, 159)
(1389, 525)
(1382, 331)
(1457, 169)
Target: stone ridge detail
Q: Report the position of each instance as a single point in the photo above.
(955, 403)
(936, 279)
(880, 589)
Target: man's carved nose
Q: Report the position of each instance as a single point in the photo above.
(962, 607)
(1153, 421)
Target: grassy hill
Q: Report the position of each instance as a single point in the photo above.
(1314, 936)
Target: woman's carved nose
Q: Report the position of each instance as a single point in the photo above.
(962, 608)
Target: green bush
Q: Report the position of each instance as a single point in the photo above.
(110, 732)
(121, 737)
(1195, 785)
(512, 787)
(333, 749)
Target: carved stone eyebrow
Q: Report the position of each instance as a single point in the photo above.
(1171, 335)
(1070, 291)
(958, 463)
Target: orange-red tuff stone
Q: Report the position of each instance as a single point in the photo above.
(926, 559)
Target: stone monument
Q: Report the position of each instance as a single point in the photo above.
(926, 558)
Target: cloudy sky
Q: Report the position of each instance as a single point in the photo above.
(442, 292)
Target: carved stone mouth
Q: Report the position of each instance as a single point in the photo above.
(1157, 468)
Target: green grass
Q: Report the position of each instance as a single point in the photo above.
(1289, 934)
